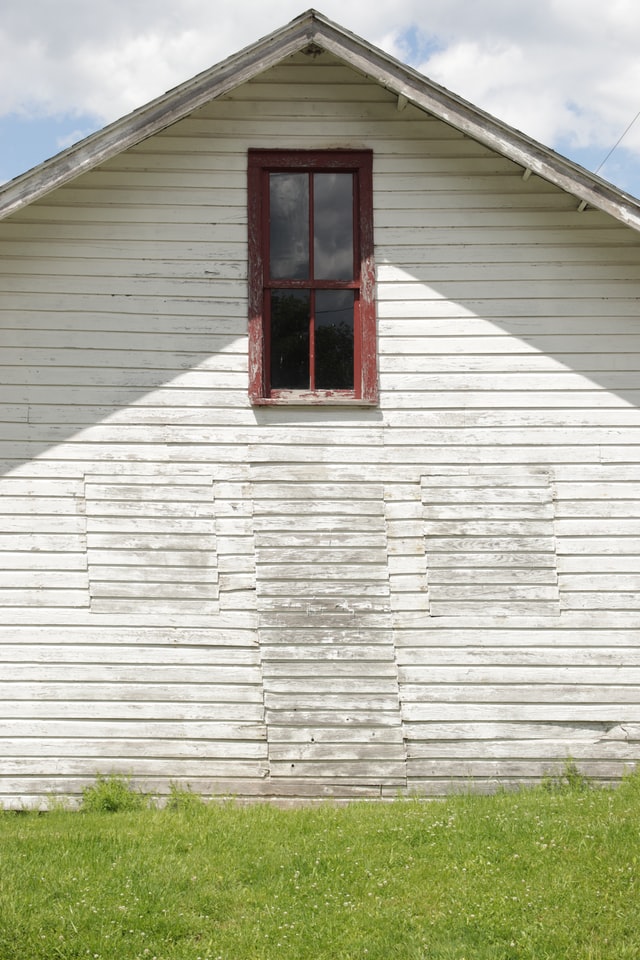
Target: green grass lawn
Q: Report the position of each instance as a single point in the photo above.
(545, 873)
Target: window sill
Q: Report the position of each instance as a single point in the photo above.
(318, 398)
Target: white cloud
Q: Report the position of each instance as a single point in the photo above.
(561, 70)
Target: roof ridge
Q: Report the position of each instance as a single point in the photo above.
(313, 27)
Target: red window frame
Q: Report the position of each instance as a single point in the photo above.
(260, 164)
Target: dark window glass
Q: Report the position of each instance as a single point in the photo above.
(312, 321)
(334, 339)
(333, 226)
(290, 316)
(289, 226)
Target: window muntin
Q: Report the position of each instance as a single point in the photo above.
(312, 312)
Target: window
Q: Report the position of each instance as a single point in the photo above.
(312, 326)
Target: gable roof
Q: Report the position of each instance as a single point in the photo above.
(308, 30)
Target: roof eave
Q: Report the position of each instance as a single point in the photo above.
(313, 28)
(156, 115)
(478, 125)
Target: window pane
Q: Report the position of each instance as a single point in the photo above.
(289, 226)
(334, 339)
(290, 339)
(333, 226)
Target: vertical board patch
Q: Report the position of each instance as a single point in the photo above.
(330, 674)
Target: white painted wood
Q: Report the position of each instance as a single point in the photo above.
(317, 602)
(336, 600)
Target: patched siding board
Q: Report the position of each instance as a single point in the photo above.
(43, 547)
(490, 539)
(330, 677)
(599, 571)
(151, 544)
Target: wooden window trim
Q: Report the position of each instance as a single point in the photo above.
(260, 163)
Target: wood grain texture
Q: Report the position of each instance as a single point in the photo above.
(437, 591)
(338, 652)
(490, 542)
(162, 532)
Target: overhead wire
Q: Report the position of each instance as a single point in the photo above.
(617, 143)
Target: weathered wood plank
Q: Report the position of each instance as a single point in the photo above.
(538, 676)
(518, 545)
(246, 689)
(335, 756)
(390, 772)
(615, 695)
(491, 529)
(132, 575)
(519, 591)
(144, 590)
(128, 559)
(584, 631)
(450, 576)
(56, 731)
(337, 734)
(63, 524)
(204, 676)
(283, 670)
(611, 600)
(52, 577)
(167, 768)
(368, 572)
(519, 750)
(130, 750)
(545, 711)
(495, 608)
(479, 731)
(134, 710)
(510, 656)
(586, 580)
(33, 596)
(287, 588)
(105, 650)
(443, 564)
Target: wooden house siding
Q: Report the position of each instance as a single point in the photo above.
(278, 601)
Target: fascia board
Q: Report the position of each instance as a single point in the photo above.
(312, 27)
(154, 117)
(480, 126)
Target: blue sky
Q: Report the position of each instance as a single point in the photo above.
(26, 141)
(566, 72)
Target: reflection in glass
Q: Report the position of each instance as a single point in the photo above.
(333, 226)
(289, 226)
(290, 339)
(334, 339)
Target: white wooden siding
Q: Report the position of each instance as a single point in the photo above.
(325, 629)
(151, 544)
(508, 341)
(491, 543)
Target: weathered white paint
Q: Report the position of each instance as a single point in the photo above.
(293, 645)
(325, 630)
(151, 544)
(491, 543)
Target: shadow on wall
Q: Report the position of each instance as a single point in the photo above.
(478, 343)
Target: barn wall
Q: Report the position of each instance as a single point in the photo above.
(317, 602)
